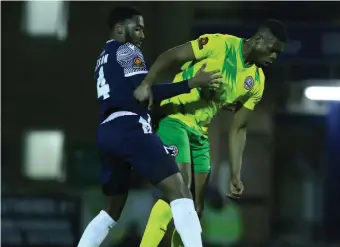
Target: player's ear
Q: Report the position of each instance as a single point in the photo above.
(120, 28)
(258, 40)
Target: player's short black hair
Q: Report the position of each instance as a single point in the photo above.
(277, 28)
(120, 14)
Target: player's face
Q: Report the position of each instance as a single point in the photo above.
(267, 51)
(135, 30)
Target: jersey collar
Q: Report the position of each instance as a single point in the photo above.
(244, 65)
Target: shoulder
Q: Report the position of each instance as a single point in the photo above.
(128, 48)
(128, 52)
(219, 39)
(211, 43)
(216, 37)
(259, 82)
(112, 45)
(231, 38)
(233, 41)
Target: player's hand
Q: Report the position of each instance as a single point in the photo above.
(205, 78)
(235, 188)
(142, 92)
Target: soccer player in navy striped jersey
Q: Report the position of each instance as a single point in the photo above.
(124, 136)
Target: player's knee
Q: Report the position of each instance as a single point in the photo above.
(116, 206)
(173, 187)
(179, 191)
(199, 209)
(114, 213)
(185, 169)
(187, 180)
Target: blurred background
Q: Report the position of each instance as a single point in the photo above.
(49, 164)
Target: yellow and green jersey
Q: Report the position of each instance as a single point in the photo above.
(241, 83)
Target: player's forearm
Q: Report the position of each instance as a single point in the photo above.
(168, 90)
(237, 141)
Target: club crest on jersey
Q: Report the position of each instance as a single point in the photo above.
(138, 62)
(173, 150)
(249, 83)
(202, 42)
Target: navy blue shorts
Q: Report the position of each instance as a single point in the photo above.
(127, 143)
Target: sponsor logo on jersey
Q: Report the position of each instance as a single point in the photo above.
(249, 83)
(173, 150)
(202, 42)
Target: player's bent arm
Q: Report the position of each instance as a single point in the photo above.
(238, 129)
(175, 56)
(198, 49)
(161, 90)
(135, 70)
(237, 139)
(167, 90)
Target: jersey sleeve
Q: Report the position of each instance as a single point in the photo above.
(131, 59)
(208, 45)
(252, 101)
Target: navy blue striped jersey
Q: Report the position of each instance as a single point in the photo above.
(120, 69)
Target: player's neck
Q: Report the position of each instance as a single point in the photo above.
(246, 51)
(117, 37)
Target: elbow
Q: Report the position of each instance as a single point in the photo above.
(243, 127)
(238, 128)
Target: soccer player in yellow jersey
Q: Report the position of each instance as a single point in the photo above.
(185, 128)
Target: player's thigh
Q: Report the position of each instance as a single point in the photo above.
(148, 156)
(116, 168)
(200, 151)
(115, 183)
(115, 175)
(175, 136)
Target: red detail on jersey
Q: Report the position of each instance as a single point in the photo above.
(202, 42)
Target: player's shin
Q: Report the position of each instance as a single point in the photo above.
(157, 224)
(97, 230)
(187, 222)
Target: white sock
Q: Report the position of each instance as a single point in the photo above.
(97, 230)
(187, 222)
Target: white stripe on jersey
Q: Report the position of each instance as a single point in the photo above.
(135, 73)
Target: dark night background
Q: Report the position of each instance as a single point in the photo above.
(291, 164)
